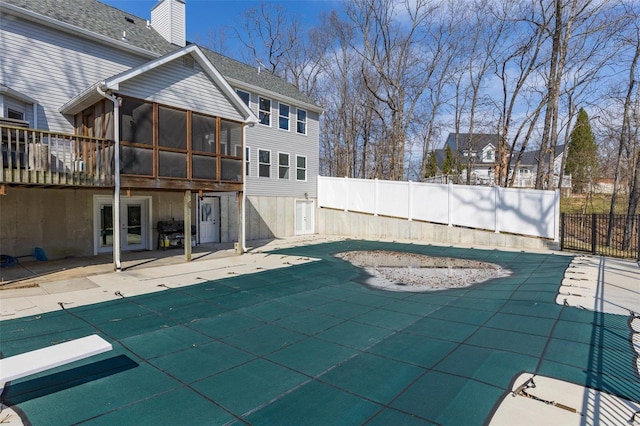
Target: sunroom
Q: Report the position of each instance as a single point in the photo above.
(177, 127)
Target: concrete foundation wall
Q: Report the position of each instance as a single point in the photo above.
(61, 220)
(269, 217)
(358, 225)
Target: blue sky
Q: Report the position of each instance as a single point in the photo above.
(204, 16)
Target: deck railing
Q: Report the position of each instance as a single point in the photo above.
(39, 157)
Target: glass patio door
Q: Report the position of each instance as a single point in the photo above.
(134, 224)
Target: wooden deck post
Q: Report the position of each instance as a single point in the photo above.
(187, 225)
(240, 245)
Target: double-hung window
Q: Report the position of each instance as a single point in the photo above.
(247, 160)
(245, 96)
(264, 113)
(302, 122)
(301, 168)
(283, 165)
(283, 121)
(264, 163)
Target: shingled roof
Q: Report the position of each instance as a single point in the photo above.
(111, 22)
(477, 140)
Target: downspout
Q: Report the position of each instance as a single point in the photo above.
(243, 243)
(116, 174)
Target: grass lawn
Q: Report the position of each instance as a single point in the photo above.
(598, 203)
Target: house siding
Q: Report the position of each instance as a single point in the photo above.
(276, 140)
(177, 85)
(53, 66)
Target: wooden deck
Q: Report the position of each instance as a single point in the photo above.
(43, 158)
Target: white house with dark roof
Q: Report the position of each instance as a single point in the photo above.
(477, 153)
(200, 140)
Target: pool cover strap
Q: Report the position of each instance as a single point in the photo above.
(530, 384)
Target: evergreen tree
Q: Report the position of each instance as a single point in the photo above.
(432, 165)
(449, 164)
(582, 157)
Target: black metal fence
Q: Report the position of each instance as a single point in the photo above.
(602, 234)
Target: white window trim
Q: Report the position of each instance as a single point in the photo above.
(288, 129)
(306, 168)
(107, 199)
(262, 110)
(306, 121)
(238, 91)
(15, 105)
(288, 166)
(261, 164)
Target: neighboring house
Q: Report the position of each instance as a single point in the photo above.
(198, 136)
(477, 153)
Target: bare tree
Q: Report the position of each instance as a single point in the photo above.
(269, 33)
(629, 128)
(514, 64)
(390, 47)
(571, 25)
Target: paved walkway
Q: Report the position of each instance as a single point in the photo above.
(291, 336)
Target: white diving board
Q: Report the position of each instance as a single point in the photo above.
(28, 363)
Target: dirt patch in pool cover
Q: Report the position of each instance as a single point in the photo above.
(400, 271)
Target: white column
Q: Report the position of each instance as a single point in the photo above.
(496, 208)
(449, 202)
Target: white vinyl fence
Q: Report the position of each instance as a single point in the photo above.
(518, 211)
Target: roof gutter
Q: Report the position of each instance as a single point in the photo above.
(101, 88)
(261, 91)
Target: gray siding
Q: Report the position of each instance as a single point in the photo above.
(52, 67)
(276, 140)
(184, 87)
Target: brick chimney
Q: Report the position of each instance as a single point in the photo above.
(168, 18)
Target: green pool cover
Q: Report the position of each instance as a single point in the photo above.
(309, 344)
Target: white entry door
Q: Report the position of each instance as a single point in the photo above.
(304, 217)
(209, 220)
(134, 224)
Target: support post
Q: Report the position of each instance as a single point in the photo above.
(497, 205)
(449, 202)
(240, 246)
(409, 201)
(562, 225)
(187, 225)
(593, 233)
